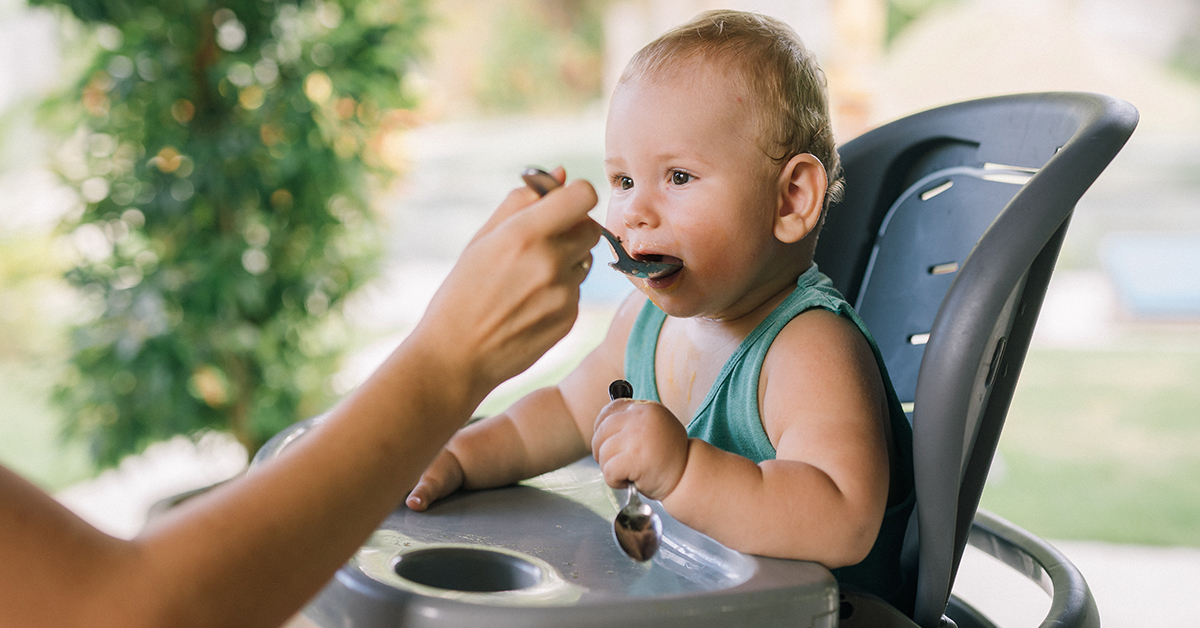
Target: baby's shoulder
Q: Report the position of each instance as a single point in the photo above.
(817, 339)
(819, 367)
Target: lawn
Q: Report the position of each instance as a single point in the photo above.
(1104, 445)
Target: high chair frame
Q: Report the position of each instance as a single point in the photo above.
(947, 236)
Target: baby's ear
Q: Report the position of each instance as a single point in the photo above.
(801, 198)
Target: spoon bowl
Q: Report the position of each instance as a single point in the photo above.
(542, 182)
(637, 528)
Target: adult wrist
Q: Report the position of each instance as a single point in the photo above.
(449, 374)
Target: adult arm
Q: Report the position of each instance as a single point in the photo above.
(253, 551)
(544, 430)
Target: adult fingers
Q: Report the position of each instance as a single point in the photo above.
(514, 291)
(560, 211)
(582, 268)
(517, 200)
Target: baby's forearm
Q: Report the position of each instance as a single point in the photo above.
(535, 435)
(780, 508)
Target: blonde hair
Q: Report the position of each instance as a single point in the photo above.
(768, 59)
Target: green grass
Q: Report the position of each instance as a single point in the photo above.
(1104, 445)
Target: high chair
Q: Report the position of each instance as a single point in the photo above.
(945, 242)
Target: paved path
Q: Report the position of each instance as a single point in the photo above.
(1133, 586)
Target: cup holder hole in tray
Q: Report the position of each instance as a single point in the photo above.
(468, 569)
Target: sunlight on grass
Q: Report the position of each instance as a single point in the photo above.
(1103, 445)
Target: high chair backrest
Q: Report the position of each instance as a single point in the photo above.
(945, 240)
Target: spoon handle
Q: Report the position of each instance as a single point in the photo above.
(540, 180)
(620, 389)
(637, 529)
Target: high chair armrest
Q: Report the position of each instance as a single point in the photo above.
(1071, 606)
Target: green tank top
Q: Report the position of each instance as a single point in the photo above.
(729, 418)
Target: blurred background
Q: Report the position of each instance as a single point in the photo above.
(216, 219)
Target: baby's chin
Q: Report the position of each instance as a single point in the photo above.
(673, 307)
(660, 286)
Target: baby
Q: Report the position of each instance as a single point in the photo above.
(764, 416)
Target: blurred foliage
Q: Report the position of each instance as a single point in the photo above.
(1187, 51)
(31, 294)
(543, 55)
(222, 151)
(901, 13)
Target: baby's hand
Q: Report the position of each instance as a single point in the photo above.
(444, 476)
(640, 442)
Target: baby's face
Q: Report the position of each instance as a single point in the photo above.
(690, 184)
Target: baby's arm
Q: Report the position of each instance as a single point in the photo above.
(548, 428)
(822, 498)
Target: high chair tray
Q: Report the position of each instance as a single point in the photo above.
(542, 553)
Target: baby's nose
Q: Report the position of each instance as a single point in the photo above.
(639, 212)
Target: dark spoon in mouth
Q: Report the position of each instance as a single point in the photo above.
(542, 182)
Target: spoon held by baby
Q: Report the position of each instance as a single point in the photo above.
(637, 528)
(542, 182)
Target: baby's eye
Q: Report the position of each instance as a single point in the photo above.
(624, 182)
(680, 178)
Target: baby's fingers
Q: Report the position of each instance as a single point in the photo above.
(444, 476)
(427, 491)
(608, 424)
(615, 463)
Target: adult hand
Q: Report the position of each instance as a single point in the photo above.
(515, 290)
(251, 552)
(640, 442)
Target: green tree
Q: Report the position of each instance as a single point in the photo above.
(221, 151)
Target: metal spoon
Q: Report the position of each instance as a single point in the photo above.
(542, 182)
(637, 528)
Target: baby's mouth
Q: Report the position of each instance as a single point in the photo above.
(657, 258)
(664, 277)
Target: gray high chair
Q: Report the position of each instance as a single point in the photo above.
(945, 240)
